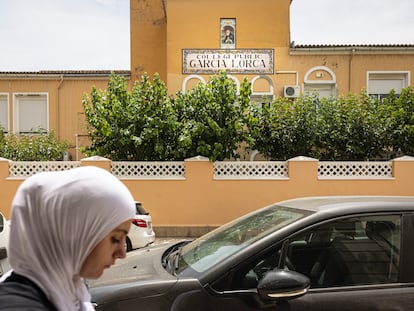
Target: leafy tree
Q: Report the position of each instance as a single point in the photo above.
(401, 120)
(137, 125)
(343, 128)
(213, 118)
(350, 128)
(148, 124)
(284, 128)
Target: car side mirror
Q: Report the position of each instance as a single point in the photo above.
(282, 285)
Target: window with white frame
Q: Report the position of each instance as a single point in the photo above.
(322, 89)
(320, 80)
(30, 113)
(4, 112)
(380, 83)
(262, 90)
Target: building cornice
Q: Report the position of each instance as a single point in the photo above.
(351, 49)
(59, 74)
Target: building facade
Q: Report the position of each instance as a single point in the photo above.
(186, 42)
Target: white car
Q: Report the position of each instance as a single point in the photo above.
(141, 233)
(4, 240)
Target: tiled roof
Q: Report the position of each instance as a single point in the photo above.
(67, 73)
(293, 45)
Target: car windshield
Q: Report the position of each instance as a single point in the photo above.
(215, 246)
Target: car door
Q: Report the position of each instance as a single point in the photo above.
(354, 263)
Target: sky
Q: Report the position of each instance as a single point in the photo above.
(94, 34)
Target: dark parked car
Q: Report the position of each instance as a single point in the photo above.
(320, 253)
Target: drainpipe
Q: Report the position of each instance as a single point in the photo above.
(350, 70)
(57, 107)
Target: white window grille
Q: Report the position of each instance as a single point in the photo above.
(320, 80)
(23, 169)
(250, 170)
(354, 170)
(380, 83)
(148, 170)
(30, 113)
(262, 90)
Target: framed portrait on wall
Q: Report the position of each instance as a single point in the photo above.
(227, 33)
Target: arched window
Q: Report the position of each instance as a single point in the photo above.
(262, 89)
(320, 80)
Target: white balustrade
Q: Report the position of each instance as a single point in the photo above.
(148, 170)
(354, 170)
(231, 170)
(250, 170)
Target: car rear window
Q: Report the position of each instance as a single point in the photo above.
(140, 210)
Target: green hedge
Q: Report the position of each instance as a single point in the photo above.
(215, 120)
(337, 128)
(34, 147)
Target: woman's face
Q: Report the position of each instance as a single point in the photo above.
(110, 248)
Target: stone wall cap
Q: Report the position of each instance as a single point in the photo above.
(302, 158)
(95, 158)
(404, 158)
(197, 158)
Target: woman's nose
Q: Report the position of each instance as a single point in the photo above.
(121, 251)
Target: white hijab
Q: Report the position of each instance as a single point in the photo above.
(57, 220)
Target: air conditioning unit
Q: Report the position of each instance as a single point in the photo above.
(291, 91)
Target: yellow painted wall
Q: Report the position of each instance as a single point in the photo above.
(200, 201)
(66, 116)
(259, 24)
(148, 38)
(196, 25)
(161, 29)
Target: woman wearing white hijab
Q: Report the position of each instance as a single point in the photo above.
(65, 227)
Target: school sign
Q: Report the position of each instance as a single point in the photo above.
(252, 61)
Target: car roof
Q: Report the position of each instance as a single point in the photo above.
(361, 203)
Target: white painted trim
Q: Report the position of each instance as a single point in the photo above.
(323, 68)
(271, 86)
(7, 109)
(407, 74)
(15, 111)
(188, 78)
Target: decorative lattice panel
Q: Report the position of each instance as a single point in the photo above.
(24, 169)
(250, 170)
(354, 170)
(148, 170)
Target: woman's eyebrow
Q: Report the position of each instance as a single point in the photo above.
(121, 230)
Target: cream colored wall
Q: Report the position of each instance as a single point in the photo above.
(201, 201)
(157, 47)
(65, 102)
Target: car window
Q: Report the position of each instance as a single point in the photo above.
(221, 243)
(140, 210)
(347, 252)
(355, 251)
